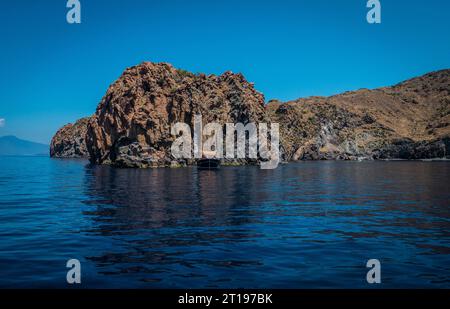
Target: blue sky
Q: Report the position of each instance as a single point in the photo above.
(53, 72)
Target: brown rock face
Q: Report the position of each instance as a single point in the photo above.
(70, 141)
(410, 120)
(132, 124)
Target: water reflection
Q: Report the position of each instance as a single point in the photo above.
(301, 225)
(164, 198)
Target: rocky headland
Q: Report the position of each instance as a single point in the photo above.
(70, 141)
(131, 126)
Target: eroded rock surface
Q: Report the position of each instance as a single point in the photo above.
(132, 124)
(70, 140)
(410, 120)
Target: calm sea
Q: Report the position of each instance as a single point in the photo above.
(303, 225)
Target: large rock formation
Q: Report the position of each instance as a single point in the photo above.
(410, 120)
(132, 124)
(70, 140)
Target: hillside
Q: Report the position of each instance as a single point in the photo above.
(409, 121)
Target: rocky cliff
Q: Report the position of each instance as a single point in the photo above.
(70, 140)
(132, 124)
(410, 120)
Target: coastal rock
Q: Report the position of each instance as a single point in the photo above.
(132, 124)
(410, 120)
(70, 140)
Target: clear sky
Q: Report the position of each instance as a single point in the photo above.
(53, 72)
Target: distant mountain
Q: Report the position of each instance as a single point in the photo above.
(13, 146)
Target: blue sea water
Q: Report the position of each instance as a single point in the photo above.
(302, 225)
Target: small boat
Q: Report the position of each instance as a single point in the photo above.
(208, 164)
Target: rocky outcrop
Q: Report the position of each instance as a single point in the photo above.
(70, 140)
(132, 124)
(410, 120)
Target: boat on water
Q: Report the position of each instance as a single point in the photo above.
(208, 164)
